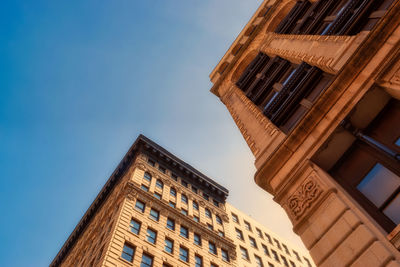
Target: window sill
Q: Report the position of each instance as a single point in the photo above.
(168, 253)
(153, 244)
(125, 261)
(185, 262)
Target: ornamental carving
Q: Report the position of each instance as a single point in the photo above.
(306, 194)
(140, 166)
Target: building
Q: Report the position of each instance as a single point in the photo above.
(154, 210)
(314, 88)
(259, 247)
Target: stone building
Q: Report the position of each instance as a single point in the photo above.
(258, 246)
(155, 210)
(314, 88)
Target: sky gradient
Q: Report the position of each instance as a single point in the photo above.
(80, 80)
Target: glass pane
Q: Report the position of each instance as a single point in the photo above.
(379, 184)
(393, 210)
(397, 143)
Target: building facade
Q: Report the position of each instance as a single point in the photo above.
(155, 210)
(258, 246)
(314, 88)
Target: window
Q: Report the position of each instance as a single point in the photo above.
(172, 192)
(270, 265)
(218, 219)
(252, 242)
(225, 255)
(172, 204)
(235, 218)
(286, 249)
(174, 176)
(247, 226)
(197, 239)
(297, 255)
(166, 265)
(210, 227)
(208, 213)
(212, 248)
(268, 237)
(275, 255)
(184, 183)
(221, 234)
(308, 262)
(239, 234)
(266, 252)
(184, 254)
(292, 263)
(151, 236)
(285, 262)
(184, 212)
(277, 244)
(162, 169)
(205, 196)
(154, 214)
(147, 261)
(213, 265)
(144, 188)
(198, 261)
(196, 218)
(184, 231)
(169, 246)
(184, 199)
(140, 206)
(194, 189)
(259, 262)
(157, 195)
(244, 253)
(159, 184)
(135, 226)
(151, 162)
(171, 224)
(216, 203)
(127, 252)
(195, 205)
(259, 233)
(147, 176)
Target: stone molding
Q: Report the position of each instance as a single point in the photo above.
(328, 53)
(132, 193)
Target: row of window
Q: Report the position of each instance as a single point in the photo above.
(272, 241)
(151, 235)
(183, 182)
(184, 199)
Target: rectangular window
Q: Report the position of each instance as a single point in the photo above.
(184, 212)
(195, 205)
(197, 239)
(259, 233)
(268, 237)
(196, 218)
(127, 252)
(218, 219)
(147, 177)
(270, 265)
(225, 255)
(174, 176)
(151, 162)
(172, 204)
(184, 199)
(172, 192)
(208, 213)
(198, 261)
(286, 249)
(216, 203)
(235, 218)
(171, 224)
(266, 252)
(239, 234)
(247, 226)
(135, 226)
(169, 246)
(205, 196)
(151, 236)
(210, 227)
(162, 169)
(220, 233)
(308, 262)
(252, 242)
(277, 244)
(297, 255)
(285, 262)
(154, 214)
(244, 253)
(184, 183)
(275, 255)
(159, 184)
(194, 189)
(144, 188)
(212, 248)
(184, 231)
(213, 265)
(157, 195)
(184, 254)
(140, 206)
(147, 261)
(259, 262)
(292, 264)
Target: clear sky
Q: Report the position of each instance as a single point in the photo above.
(80, 79)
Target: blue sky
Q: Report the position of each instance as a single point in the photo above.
(79, 80)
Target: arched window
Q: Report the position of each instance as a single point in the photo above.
(159, 184)
(218, 219)
(184, 199)
(147, 176)
(208, 213)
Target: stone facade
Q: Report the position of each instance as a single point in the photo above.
(302, 165)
